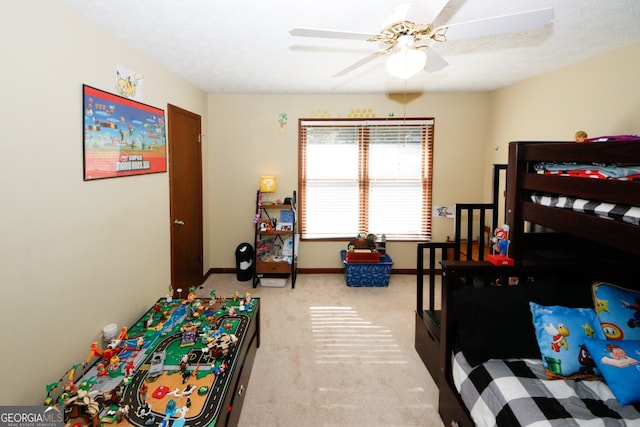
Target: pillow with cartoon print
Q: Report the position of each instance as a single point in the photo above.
(561, 332)
(619, 364)
(618, 310)
(494, 322)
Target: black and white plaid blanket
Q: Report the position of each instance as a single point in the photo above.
(629, 214)
(516, 392)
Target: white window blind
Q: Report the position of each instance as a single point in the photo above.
(360, 176)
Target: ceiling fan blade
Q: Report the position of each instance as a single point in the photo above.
(435, 62)
(329, 34)
(358, 64)
(425, 11)
(512, 23)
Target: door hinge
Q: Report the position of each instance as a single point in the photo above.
(199, 138)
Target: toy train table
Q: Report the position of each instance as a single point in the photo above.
(184, 362)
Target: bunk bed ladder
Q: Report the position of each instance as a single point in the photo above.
(428, 321)
(476, 218)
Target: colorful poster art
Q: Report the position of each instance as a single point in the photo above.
(122, 137)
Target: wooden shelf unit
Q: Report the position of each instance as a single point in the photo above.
(269, 268)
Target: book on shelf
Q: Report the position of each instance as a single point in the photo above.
(288, 245)
(286, 216)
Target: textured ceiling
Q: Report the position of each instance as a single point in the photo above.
(244, 46)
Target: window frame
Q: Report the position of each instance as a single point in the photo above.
(427, 126)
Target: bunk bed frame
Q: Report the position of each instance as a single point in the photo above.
(522, 179)
(580, 246)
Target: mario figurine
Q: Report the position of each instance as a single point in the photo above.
(500, 247)
(501, 240)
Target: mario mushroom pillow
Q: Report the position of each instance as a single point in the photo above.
(561, 333)
(618, 310)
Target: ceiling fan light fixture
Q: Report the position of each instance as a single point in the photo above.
(406, 62)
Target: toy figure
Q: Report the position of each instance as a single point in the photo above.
(183, 363)
(501, 240)
(102, 371)
(500, 247)
(180, 413)
(362, 243)
(129, 367)
(113, 396)
(115, 347)
(50, 387)
(581, 136)
(123, 413)
(189, 334)
(191, 296)
(171, 408)
(143, 392)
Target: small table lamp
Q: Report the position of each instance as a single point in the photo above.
(268, 184)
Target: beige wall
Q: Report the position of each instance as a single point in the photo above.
(75, 255)
(246, 141)
(600, 96)
(78, 255)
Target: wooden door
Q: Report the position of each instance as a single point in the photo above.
(185, 193)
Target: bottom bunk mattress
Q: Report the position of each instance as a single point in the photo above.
(516, 392)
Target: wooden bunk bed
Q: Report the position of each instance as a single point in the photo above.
(523, 179)
(557, 266)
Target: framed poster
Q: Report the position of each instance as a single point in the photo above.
(121, 137)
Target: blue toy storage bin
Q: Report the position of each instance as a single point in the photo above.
(367, 274)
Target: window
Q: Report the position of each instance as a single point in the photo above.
(359, 176)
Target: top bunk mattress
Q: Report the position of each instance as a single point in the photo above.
(623, 172)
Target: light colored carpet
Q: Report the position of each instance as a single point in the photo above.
(333, 355)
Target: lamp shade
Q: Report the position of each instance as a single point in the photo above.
(406, 62)
(268, 184)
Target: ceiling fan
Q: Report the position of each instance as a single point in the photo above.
(408, 37)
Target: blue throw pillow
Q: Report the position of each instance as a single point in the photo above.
(561, 332)
(618, 310)
(619, 363)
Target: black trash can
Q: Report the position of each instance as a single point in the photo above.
(244, 262)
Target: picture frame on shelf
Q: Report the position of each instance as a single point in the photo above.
(284, 226)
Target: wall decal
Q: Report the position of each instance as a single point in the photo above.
(128, 83)
(282, 120)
